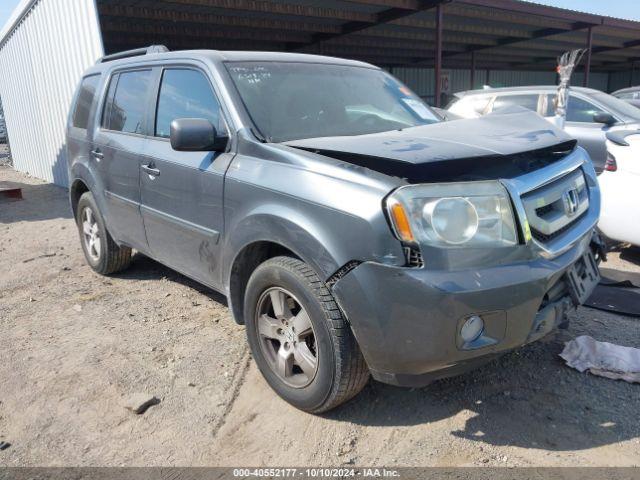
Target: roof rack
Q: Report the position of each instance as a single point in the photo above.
(134, 53)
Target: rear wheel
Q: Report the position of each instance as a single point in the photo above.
(102, 253)
(300, 341)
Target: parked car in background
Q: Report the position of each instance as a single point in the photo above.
(630, 95)
(590, 114)
(352, 230)
(619, 183)
(445, 115)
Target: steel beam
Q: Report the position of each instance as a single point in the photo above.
(278, 8)
(385, 16)
(438, 60)
(120, 12)
(625, 45)
(538, 34)
(587, 65)
(472, 73)
(530, 8)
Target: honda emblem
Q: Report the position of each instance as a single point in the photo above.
(571, 200)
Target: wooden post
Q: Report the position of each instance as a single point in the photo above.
(472, 80)
(438, 65)
(587, 66)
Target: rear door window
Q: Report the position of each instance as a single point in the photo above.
(127, 102)
(186, 93)
(528, 101)
(84, 101)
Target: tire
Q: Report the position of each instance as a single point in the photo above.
(105, 256)
(340, 370)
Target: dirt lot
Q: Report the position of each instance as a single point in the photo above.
(73, 345)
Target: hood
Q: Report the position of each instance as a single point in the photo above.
(494, 146)
(489, 135)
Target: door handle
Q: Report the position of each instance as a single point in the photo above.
(151, 170)
(97, 154)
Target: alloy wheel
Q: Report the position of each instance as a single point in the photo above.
(91, 234)
(286, 337)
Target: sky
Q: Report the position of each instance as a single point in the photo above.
(614, 8)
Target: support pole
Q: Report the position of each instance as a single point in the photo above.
(438, 65)
(587, 66)
(472, 79)
(633, 64)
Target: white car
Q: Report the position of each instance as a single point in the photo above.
(619, 185)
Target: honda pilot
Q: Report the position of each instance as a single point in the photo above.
(353, 232)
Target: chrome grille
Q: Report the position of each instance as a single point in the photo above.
(553, 208)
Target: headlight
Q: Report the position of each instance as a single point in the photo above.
(473, 214)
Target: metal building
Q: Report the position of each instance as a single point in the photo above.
(435, 46)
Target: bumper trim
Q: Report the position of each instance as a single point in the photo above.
(424, 379)
(406, 321)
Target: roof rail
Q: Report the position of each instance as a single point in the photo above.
(134, 53)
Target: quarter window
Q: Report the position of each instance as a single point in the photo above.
(470, 107)
(530, 102)
(84, 101)
(126, 102)
(185, 94)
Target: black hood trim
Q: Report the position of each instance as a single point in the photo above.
(489, 167)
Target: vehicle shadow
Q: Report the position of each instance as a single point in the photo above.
(145, 268)
(630, 254)
(526, 398)
(39, 202)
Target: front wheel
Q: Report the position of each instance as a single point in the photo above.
(299, 339)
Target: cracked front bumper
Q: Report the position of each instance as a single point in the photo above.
(407, 321)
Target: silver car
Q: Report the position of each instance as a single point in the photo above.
(590, 115)
(629, 95)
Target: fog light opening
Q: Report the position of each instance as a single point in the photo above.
(472, 328)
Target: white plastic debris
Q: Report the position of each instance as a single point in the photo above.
(604, 359)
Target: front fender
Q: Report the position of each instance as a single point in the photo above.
(290, 230)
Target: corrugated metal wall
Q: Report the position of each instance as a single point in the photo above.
(41, 63)
(421, 80)
(623, 80)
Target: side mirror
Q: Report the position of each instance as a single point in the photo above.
(196, 135)
(603, 117)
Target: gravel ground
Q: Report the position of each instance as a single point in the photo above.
(5, 157)
(74, 346)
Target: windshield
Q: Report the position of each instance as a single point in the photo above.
(628, 112)
(291, 101)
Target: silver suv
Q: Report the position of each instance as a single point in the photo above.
(352, 231)
(590, 114)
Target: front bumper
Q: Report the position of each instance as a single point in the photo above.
(407, 321)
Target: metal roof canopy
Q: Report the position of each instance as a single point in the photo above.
(499, 34)
(475, 34)
(47, 44)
